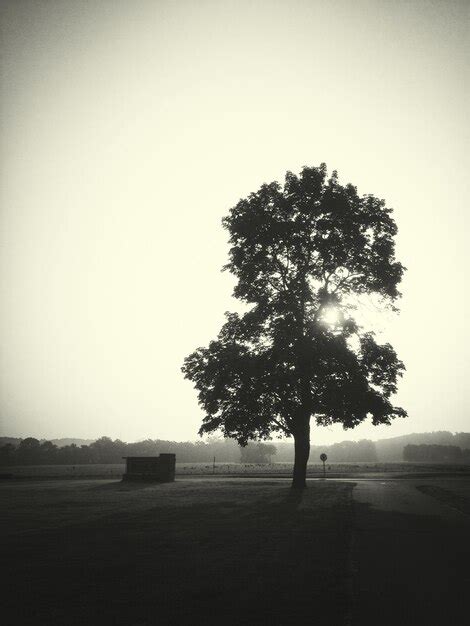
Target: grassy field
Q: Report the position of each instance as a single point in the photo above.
(234, 551)
(193, 551)
(231, 469)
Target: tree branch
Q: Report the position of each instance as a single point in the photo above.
(281, 426)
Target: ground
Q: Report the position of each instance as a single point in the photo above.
(236, 551)
(333, 470)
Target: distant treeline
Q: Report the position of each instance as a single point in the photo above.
(433, 453)
(392, 450)
(437, 447)
(31, 451)
(344, 452)
(389, 450)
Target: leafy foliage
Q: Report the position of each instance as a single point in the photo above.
(299, 252)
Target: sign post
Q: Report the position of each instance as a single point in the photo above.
(323, 458)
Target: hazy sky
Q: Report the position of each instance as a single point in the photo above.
(128, 131)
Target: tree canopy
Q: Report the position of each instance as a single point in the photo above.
(302, 253)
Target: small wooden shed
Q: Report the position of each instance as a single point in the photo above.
(159, 469)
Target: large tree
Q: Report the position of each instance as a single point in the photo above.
(303, 255)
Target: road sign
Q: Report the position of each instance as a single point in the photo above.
(323, 458)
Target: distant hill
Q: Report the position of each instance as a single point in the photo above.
(382, 451)
(60, 443)
(391, 450)
(13, 440)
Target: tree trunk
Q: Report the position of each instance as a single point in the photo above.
(302, 452)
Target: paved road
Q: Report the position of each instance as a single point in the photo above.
(410, 553)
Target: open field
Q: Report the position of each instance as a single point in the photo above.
(116, 470)
(248, 551)
(104, 552)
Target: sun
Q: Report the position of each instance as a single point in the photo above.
(331, 316)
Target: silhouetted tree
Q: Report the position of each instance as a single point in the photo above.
(29, 451)
(105, 450)
(433, 453)
(7, 454)
(352, 451)
(47, 452)
(301, 254)
(462, 440)
(257, 453)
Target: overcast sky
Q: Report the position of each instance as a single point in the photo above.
(129, 129)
